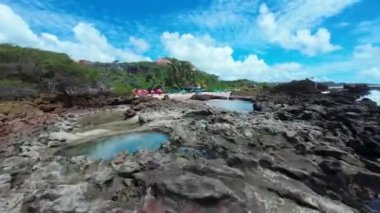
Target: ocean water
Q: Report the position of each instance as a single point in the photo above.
(232, 105)
(109, 147)
(374, 95)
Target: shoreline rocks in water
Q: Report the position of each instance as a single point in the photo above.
(309, 152)
(304, 86)
(357, 88)
(206, 97)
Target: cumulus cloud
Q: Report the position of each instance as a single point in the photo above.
(204, 53)
(367, 51)
(14, 29)
(292, 25)
(368, 56)
(89, 43)
(139, 44)
(283, 29)
(362, 66)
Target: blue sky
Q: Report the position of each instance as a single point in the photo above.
(262, 40)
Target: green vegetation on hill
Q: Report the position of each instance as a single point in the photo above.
(24, 60)
(42, 69)
(48, 71)
(172, 76)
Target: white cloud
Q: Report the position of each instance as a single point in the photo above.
(250, 24)
(89, 42)
(284, 30)
(207, 56)
(372, 73)
(367, 51)
(299, 14)
(222, 14)
(368, 55)
(369, 31)
(139, 44)
(362, 66)
(13, 28)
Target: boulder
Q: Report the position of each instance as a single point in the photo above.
(257, 107)
(127, 169)
(331, 166)
(102, 176)
(129, 114)
(194, 187)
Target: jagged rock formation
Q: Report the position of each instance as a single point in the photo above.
(303, 86)
(311, 153)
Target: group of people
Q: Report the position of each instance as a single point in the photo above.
(145, 92)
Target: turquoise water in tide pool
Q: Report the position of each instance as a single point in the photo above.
(109, 147)
(232, 105)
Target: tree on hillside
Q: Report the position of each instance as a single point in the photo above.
(182, 73)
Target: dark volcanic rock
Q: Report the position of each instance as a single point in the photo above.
(121, 101)
(357, 88)
(206, 97)
(257, 107)
(304, 86)
(129, 114)
(368, 179)
(166, 98)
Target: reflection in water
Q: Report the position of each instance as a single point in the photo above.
(232, 105)
(107, 148)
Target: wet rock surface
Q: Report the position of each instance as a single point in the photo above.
(304, 153)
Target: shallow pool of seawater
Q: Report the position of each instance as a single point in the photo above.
(108, 147)
(232, 105)
(374, 95)
(374, 205)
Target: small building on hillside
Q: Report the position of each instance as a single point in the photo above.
(85, 62)
(163, 61)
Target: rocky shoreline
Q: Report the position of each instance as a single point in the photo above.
(302, 153)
